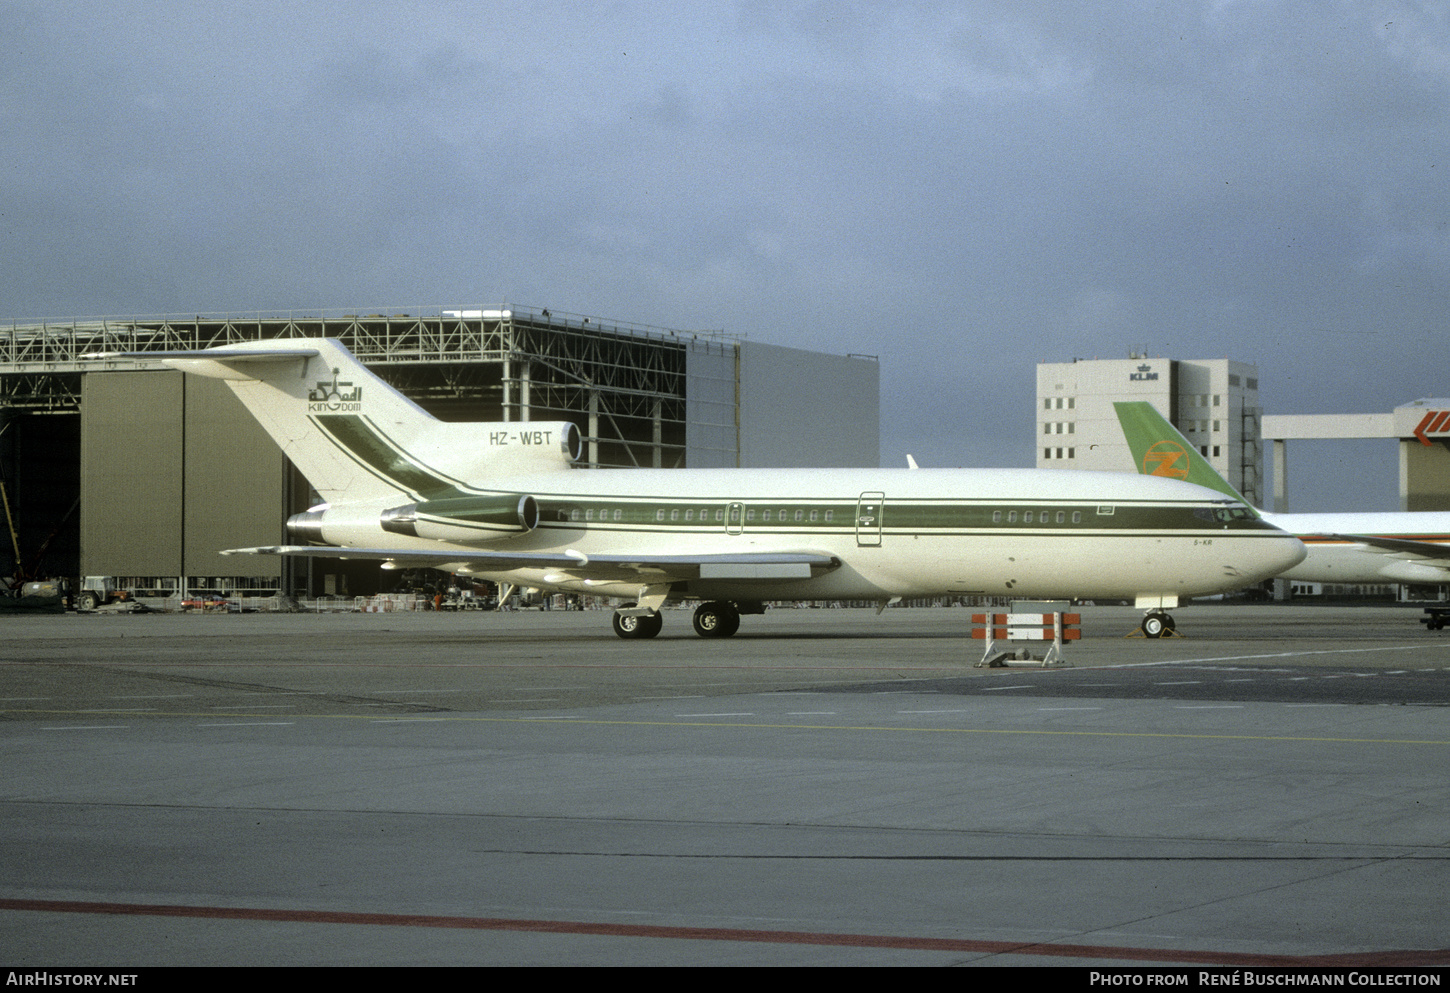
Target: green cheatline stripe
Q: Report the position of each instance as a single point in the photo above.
(367, 446)
(914, 517)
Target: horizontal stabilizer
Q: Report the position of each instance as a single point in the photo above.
(218, 363)
(214, 354)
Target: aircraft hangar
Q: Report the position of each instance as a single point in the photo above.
(123, 468)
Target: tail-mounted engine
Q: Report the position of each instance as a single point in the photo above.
(466, 519)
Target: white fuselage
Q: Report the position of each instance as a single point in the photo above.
(899, 532)
(1333, 558)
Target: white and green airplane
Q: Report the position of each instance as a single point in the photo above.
(1376, 547)
(501, 501)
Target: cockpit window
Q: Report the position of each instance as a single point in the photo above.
(1231, 512)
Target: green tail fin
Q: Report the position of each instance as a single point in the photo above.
(1159, 450)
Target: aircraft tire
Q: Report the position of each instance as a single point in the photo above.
(716, 620)
(1154, 625)
(637, 627)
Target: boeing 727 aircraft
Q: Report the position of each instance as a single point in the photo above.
(501, 501)
(1390, 547)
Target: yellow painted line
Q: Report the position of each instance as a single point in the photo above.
(765, 726)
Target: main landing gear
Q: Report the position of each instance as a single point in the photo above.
(637, 625)
(1158, 624)
(715, 619)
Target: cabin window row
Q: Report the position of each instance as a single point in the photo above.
(1036, 516)
(786, 516)
(706, 515)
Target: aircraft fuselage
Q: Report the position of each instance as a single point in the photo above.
(1027, 533)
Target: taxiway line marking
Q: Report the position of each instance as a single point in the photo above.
(1277, 655)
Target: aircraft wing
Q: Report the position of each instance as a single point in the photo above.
(637, 568)
(1401, 546)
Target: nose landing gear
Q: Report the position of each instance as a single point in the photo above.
(1158, 624)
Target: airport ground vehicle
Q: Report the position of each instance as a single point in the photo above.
(97, 591)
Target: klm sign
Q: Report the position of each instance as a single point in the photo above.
(1145, 374)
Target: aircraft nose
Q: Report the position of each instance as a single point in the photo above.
(1289, 551)
(1268, 555)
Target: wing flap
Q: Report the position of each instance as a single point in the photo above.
(747, 565)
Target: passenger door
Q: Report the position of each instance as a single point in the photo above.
(869, 510)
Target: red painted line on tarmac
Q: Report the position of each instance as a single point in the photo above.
(1431, 957)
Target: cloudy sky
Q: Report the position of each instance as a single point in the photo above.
(964, 189)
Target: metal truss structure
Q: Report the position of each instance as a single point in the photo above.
(623, 384)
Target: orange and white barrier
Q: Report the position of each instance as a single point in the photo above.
(1027, 627)
(1053, 627)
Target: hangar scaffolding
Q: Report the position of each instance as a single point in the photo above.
(623, 384)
